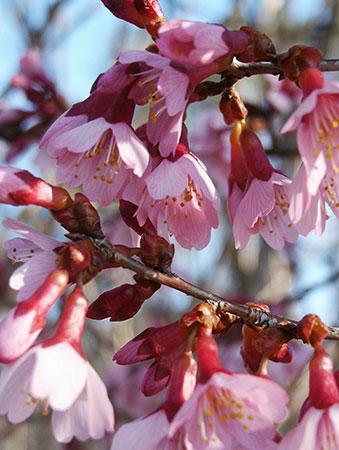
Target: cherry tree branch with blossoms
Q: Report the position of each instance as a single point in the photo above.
(165, 194)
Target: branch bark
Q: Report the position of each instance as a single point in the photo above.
(249, 315)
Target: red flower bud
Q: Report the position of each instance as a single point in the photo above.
(20, 187)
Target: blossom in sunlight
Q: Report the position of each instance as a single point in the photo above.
(179, 199)
(56, 375)
(94, 145)
(198, 43)
(228, 410)
(259, 198)
(317, 123)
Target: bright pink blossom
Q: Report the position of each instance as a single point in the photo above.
(259, 199)
(198, 43)
(22, 324)
(316, 121)
(180, 200)
(36, 250)
(56, 374)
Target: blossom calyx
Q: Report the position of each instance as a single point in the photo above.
(297, 59)
(312, 330)
(156, 252)
(80, 217)
(259, 47)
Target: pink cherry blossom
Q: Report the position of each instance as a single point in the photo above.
(46, 375)
(94, 146)
(316, 121)
(137, 434)
(231, 411)
(198, 43)
(36, 250)
(22, 324)
(166, 91)
(263, 209)
(180, 200)
(259, 198)
(228, 410)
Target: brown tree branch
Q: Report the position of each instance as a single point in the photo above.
(249, 315)
(241, 70)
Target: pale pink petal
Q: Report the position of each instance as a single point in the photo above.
(194, 168)
(166, 179)
(90, 416)
(14, 382)
(173, 86)
(258, 201)
(30, 276)
(83, 137)
(54, 375)
(143, 434)
(131, 149)
(40, 239)
(304, 435)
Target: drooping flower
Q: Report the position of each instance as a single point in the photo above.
(318, 426)
(94, 145)
(259, 199)
(46, 375)
(179, 199)
(317, 124)
(198, 43)
(228, 410)
(21, 325)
